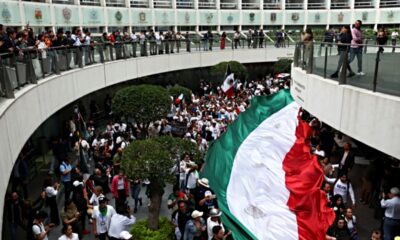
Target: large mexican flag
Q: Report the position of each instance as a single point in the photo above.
(266, 180)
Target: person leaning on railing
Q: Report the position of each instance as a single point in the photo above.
(307, 39)
(381, 39)
(343, 43)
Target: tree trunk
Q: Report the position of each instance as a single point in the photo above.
(156, 192)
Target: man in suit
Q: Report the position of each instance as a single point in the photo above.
(347, 160)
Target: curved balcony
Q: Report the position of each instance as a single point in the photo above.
(364, 106)
(36, 88)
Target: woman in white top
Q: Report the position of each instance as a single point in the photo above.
(68, 234)
(51, 190)
(42, 46)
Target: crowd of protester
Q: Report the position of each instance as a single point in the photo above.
(148, 42)
(90, 176)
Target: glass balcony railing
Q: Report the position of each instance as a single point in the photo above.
(64, 1)
(316, 5)
(139, 3)
(389, 3)
(32, 0)
(30, 65)
(228, 5)
(340, 4)
(115, 3)
(184, 4)
(162, 3)
(271, 4)
(250, 5)
(207, 4)
(294, 5)
(364, 4)
(375, 71)
(90, 2)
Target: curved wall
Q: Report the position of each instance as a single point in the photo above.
(33, 104)
(370, 117)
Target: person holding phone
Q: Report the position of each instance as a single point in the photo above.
(208, 203)
(40, 231)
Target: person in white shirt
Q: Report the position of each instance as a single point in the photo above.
(51, 190)
(391, 224)
(343, 187)
(121, 222)
(394, 37)
(101, 217)
(212, 221)
(40, 231)
(77, 37)
(68, 234)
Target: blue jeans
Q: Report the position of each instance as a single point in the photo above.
(135, 191)
(391, 228)
(356, 52)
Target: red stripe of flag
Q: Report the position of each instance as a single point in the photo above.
(304, 177)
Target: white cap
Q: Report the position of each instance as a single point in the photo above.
(125, 235)
(77, 183)
(395, 191)
(207, 193)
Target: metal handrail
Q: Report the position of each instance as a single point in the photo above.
(294, 5)
(364, 4)
(230, 5)
(304, 58)
(207, 4)
(27, 66)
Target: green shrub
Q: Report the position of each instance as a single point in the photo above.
(140, 231)
(283, 65)
(218, 71)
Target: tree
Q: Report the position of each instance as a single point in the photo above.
(153, 159)
(177, 90)
(218, 71)
(143, 103)
(283, 65)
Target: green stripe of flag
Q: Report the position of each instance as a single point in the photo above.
(220, 156)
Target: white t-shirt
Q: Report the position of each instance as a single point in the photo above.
(38, 229)
(210, 225)
(50, 191)
(87, 40)
(120, 223)
(341, 189)
(103, 222)
(74, 237)
(76, 39)
(42, 46)
(192, 180)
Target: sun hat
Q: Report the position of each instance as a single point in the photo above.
(196, 214)
(215, 212)
(203, 182)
